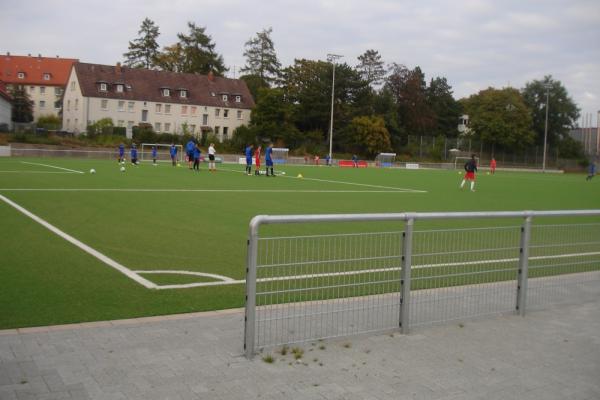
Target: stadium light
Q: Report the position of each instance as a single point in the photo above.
(547, 86)
(332, 58)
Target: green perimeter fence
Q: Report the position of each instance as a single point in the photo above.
(307, 287)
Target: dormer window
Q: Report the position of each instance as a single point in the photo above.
(46, 76)
(183, 93)
(128, 88)
(103, 87)
(238, 99)
(119, 88)
(166, 92)
(224, 97)
(212, 94)
(21, 75)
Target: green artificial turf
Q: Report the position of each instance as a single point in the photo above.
(171, 218)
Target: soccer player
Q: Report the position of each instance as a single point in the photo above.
(133, 154)
(328, 160)
(257, 160)
(354, 161)
(211, 157)
(493, 165)
(317, 160)
(591, 171)
(173, 153)
(154, 153)
(269, 159)
(189, 148)
(470, 168)
(196, 156)
(248, 152)
(121, 153)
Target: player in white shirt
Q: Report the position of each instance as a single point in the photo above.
(211, 157)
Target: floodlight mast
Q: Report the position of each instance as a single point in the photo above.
(547, 86)
(332, 58)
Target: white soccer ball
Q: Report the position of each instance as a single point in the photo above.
(282, 172)
(122, 169)
(92, 171)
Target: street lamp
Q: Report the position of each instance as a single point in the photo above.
(547, 86)
(332, 58)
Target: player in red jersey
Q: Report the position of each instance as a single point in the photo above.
(257, 160)
(493, 165)
(470, 168)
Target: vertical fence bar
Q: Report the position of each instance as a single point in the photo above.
(250, 317)
(523, 267)
(405, 275)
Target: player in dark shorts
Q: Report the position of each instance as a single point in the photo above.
(269, 160)
(470, 169)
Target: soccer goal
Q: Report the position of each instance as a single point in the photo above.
(459, 162)
(385, 159)
(280, 155)
(163, 153)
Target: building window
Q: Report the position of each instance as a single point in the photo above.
(158, 108)
(224, 97)
(166, 92)
(184, 110)
(212, 94)
(68, 105)
(21, 75)
(76, 104)
(68, 123)
(239, 114)
(217, 112)
(104, 104)
(46, 76)
(76, 123)
(217, 129)
(238, 99)
(57, 105)
(157, 126)
(183, 94)
(225, 113)
(193, 129)
(204, 119)
(42, 89)
(130, 106)
(103, 87)
(57, 91)
(120, 123)
(121, 105)
(119, 88)
(167, 127)
(32, 89)
(42, 104)
(73, 85)
(167, 109)
(193, 110)
(225, 132)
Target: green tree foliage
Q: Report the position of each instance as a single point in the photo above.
(103, 126)
(261, 58)
(199, 52)
(367, 135)
(254, 83)
(562, 112)
(371, 67)
(501, 117)
(445, 108)
(272, 118)
(143, 51)
(22, 106)
(172, 58)
(385, 106)
(50, 122)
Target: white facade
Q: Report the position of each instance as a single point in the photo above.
(5, 112)
(164, 117)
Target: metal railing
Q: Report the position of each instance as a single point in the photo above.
(360, 279)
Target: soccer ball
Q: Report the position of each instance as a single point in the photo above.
(179, 165)
(122, 169)
(92, 171)
(300, 176)
(487, 173)
(282, 172)
(459, 172)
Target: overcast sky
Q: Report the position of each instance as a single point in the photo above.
(473, 43)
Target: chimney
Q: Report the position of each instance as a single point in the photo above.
(8, 53)
(29, 55)
(118, 68)
(39, 55)
(211, 76)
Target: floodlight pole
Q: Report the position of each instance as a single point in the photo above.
(332, 58)
(547, 86)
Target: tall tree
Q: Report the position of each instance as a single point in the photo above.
(22, 106)
(261, 59)
(172, 58)
(367, 135)
(143, 50)
(563, 113)
(445, 108)
(371, 67)
(272, 118)
(199, 52)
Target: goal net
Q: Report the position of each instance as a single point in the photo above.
(163, 152)
(459, 162)
(385, 159)
(280, 155)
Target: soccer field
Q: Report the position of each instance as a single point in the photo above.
(175, 229)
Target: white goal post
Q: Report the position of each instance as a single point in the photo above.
(459, 162)
(163, 153)
(385, 159)
(280, 155)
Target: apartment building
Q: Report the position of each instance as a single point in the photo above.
(5, 108)
(43, 77)
(170, 102)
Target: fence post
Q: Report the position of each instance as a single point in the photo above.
(250, 317)
(405, 275)
(523, 267)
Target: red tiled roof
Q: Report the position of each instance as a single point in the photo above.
(4, 92)
(34, 69)
(146, 85)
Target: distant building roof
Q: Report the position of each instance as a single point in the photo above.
(148, 85)
(28, 70)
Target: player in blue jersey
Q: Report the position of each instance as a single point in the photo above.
(591, 171)
(269, 159)
(173, 153)
(189, 149)
(154, 154)
(121, 153)
(196, 156)
(249, 154)
(133, 153)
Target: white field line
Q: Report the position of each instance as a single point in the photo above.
(342, 182)
(196, 190)
(108, 261)
(53, 166)
(38, 172)
(193, 273)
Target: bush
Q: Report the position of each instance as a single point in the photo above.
(49, 122)
(119, 131)
(103, 126)
(143, 133)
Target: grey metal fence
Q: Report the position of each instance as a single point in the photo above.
(303, 286)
